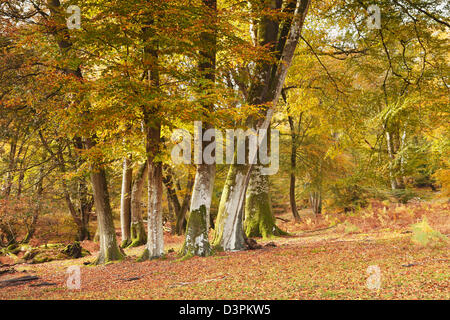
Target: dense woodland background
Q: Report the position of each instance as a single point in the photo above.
(87, 115)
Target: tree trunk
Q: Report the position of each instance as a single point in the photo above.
(197, 230)
(315, 199)
(152, 124)
(125, 203)
(155, 240)
(197, 242)
(292, 200)
(259, 219)
(37, 209)
(394, 171)
(109, 251)
(179, 209)
(138, 233)
(84, 210)
(229, 232)
(181, 222)
(11, 168)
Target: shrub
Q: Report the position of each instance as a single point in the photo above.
(403, 195)
(423, 234)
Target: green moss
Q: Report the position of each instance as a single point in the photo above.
(125, 243)
(138, 235)
(12, 247)
(42, 257)
(196, 242)
(112, 254)
(259, 219)
(146, 256)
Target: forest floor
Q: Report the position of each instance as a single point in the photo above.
(324, 258)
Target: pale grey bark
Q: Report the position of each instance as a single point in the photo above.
(125, 202)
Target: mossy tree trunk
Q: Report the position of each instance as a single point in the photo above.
(138, 232)
(259, 219)
(229, 232)
(197, 242)
(125, 203)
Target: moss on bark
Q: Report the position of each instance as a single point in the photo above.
(138, 235)
(259, 218)
(196, 243)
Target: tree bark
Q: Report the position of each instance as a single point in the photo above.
(37, 209)
(180, 209)
(138, 233)
(197, 242)
(197, 230)
(292, 199)
(125, 203)
(229, 232)
(155, 240)
(315, 199)
(109, 251)
(259, 219)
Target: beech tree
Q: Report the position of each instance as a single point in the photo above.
(282, 42)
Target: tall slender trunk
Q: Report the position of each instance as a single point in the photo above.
(197, 230)
(155, 240)
(125, 203)
(11, 167)
(292, 200)
(22, 172)
(37, 209)
(138, 233)
(179, 209)
(86, 200)
(181, 223)
(395, 174)
(315, 199)
(84, 211)
(109, 250)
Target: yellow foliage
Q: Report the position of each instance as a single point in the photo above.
(443, 176)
